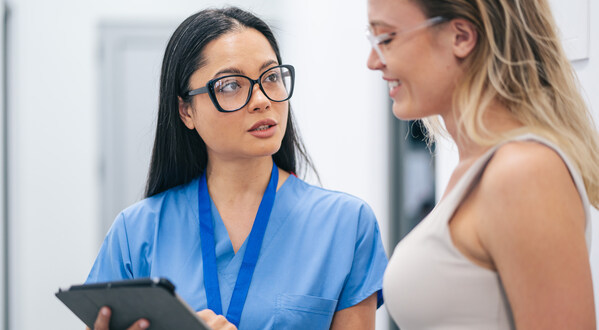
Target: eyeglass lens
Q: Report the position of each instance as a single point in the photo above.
(232, 92)
(375, 41)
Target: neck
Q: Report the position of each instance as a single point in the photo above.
(237, 178)
(497, 119)
(237, 189)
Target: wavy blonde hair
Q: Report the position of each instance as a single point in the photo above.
(519, 61)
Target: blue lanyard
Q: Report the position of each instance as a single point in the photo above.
(244, 278)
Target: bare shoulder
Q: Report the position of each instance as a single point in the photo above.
(525, 162)
(530, 221)
(527, 185)
(526, 167)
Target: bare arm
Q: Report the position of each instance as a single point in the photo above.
(360, 316)
(533, 227)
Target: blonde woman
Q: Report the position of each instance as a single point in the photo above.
(508, 244)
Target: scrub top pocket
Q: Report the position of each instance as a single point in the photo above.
(303, 312)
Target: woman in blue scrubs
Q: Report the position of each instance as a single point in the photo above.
(224, 218)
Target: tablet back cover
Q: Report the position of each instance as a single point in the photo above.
(161, 307)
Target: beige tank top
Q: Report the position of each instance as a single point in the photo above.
(430, 284)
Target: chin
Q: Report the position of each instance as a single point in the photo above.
(267, 150)
(403, 113)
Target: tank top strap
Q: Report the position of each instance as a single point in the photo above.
(473, 174)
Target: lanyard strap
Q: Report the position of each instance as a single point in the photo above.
(246, 271)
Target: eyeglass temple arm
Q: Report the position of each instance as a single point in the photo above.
(201, 90)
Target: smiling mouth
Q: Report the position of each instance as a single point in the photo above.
(393, 84)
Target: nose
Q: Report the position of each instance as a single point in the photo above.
(374, 61)
(258, 100)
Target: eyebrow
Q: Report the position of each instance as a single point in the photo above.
(267, 64)
(233, 70)
(228, 71)
(375, 24)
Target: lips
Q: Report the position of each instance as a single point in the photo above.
(262, 125)
(393, 83)
(394, 86)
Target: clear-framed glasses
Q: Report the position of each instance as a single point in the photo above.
(233, 92)
(385, 38)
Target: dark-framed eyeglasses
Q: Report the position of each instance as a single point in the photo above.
(233, 92)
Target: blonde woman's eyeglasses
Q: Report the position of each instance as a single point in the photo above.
(385, 38)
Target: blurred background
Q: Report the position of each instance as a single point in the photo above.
(78, 97)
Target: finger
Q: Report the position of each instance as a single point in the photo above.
(103, 319)
(216, 322)
(221, 323)
(206, 314)
(141, 324)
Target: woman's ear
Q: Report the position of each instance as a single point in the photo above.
(185, 112)
(465, 37)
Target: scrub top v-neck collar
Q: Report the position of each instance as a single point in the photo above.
(226, 269)
(227, 261)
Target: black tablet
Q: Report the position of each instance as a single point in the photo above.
(130, 300)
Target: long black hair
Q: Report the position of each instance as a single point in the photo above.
(179, 154)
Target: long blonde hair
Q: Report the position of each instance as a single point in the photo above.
(519, 61)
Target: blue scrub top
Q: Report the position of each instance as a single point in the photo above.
(322, 252)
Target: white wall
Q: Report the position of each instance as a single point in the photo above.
(54, 133)
(2, 168)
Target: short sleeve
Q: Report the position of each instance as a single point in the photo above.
(114, 260)
(369, 263)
